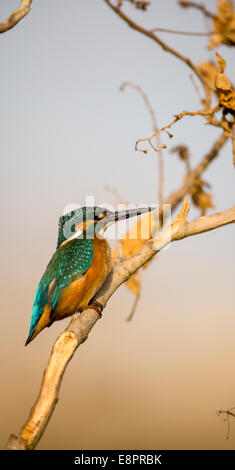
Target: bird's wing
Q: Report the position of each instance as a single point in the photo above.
(75, 259)
(68, 262)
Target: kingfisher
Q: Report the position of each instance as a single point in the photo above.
(78, 267)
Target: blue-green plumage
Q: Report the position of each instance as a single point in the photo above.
(68, 262)
(71, 218)
(77, 250)
(68, 222)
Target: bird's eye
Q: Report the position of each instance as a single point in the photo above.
(102, 215)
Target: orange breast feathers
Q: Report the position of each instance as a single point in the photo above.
(77, 296)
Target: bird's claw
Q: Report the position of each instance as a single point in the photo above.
(97, 306)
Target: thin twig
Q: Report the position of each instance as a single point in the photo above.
(160, 146)
(145, 99)
(198, 6)
(16, 16)
(196, 87)
(137, 295)
(228, 413)
(134, 306)
(116, 193)
(185, 33)
(177, 117)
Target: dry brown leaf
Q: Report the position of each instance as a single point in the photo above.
(143, 230)
(224, 25)
(139, 4)
(182, 151)
(134, 284)
(134, 240)
(209, 71)
(200, 198)
(136, 237)
(224, 89)
(219, 83)
(221, 62)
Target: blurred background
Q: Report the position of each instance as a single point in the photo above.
(67, 132)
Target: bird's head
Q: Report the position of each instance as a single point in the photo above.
(90, 221)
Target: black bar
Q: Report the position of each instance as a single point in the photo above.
(109, 459)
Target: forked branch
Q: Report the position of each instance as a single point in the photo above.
(177, 117)
(152, 35)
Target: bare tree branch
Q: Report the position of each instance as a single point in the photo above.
(160, 146)
(80, 325)
(16, 16)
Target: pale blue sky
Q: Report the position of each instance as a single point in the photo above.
(67, 131)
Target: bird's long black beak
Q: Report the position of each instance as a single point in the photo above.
(126, 214)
